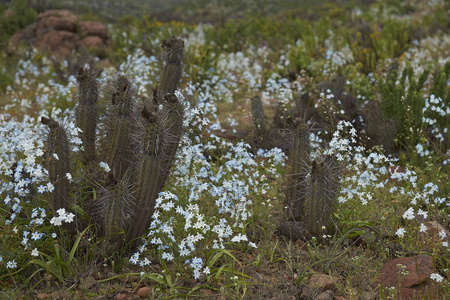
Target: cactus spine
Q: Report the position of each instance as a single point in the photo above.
(59, 163)
(86, 111)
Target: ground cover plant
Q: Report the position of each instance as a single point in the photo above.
(255, 158)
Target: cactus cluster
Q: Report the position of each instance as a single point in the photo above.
(312, 183)
(138, 141)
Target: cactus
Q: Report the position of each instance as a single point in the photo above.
(86, 111)
(258, 121)
(119, 126)
(173, 57)
(148, 171)
(118, 203)
(299, 158)
(139, 149)
(59, 163)
(321, 189)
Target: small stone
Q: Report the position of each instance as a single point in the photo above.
(327, 295)
(306, 292)
(339, 297)
(111, 274)
(120, 297)
(321, 282)
(206, 293)
(144, 292)
(88, 282)
(301, 245)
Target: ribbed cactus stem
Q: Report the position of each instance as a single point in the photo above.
(173, 57)
(172, 117)
(59, 163)
(258, 116)
(299, 158)
(118, 204)
(120, 125)
(148, 174)
(86, 111)
(321, 194)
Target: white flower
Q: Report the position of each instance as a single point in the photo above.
(400, 232)
(69, 218)
(11, 264)
(56, 156)
(69, 177)
(409, 214)
(436, 277)
(35, 252)
(423, 228)
(50, 187)
(104, 166)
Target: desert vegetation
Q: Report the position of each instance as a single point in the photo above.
(226, 151)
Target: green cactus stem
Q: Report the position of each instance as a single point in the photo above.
(148, 173)
(119, 126)
(86, 111)
(298, 164)
(59, 162)
(322, 187)
(173, 57)
(118, 203)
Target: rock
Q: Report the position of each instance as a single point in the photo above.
(434, 228)
(92, 42)
(120, 296)
(206, 293)
(416, 283)
(60, 32)
(88, 282)
(91, 28)
(321, 282)
(302, 245)
(327, 295)
(339, 297)
(144, 292)
(59, 43)
(111, 274)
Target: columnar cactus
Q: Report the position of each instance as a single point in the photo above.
(86, 111)
(299, 158)
(119, 127)
(59, 163)
(322, 187)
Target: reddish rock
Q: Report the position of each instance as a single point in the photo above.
(120, 297)
(302, 245)
(144, 292)
(92, 42)
(415, 284)
(60, 43)
(60, 32)
(434, 228)
(93, 28)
